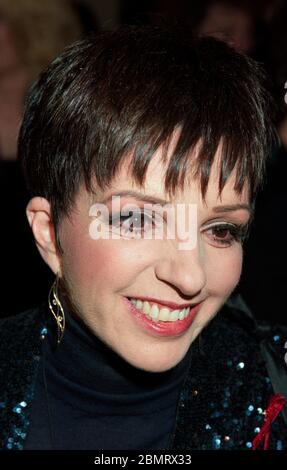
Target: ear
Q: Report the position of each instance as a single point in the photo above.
(38, 212)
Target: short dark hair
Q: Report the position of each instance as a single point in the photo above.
(127, 91)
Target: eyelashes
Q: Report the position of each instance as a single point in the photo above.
(225, 234)
(135, 223)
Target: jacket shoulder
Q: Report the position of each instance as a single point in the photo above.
(18, 324)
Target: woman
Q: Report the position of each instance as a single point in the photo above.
(128, 135)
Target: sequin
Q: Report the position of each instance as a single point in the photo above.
(240, 366)
(249, 445)
(276, 338)
(44, 332)
(217, 442)
(279, 445)
(17, 409)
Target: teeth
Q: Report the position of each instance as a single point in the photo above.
(138, 304)
(174, 315)
(146, 308)
(154, 311)
(163, 314)
(181, 314)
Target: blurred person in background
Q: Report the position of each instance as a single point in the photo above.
(32, 33)
(229, 20)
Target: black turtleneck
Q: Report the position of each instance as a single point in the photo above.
(95, 400)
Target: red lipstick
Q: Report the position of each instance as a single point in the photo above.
(162, 328)
(164, 303)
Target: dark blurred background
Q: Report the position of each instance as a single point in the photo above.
(32, 32)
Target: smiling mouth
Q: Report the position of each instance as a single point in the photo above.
(158, 312)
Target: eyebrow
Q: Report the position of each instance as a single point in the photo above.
(233, 207)
(157, 200)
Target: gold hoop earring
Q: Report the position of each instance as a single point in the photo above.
(57, 309)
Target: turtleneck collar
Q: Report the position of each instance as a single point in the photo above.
(94, 378)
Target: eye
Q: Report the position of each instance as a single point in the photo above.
(133, 224)
(225, 234)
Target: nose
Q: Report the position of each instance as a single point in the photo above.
(184, 269)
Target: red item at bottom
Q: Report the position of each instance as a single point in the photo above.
(275, 405)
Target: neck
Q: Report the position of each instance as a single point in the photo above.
(97, 367)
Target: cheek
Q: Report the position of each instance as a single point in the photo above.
(224, 270)
(99, 265)
(91, 263)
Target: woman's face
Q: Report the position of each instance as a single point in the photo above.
(100, 274)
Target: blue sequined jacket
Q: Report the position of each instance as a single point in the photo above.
(236, 367)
